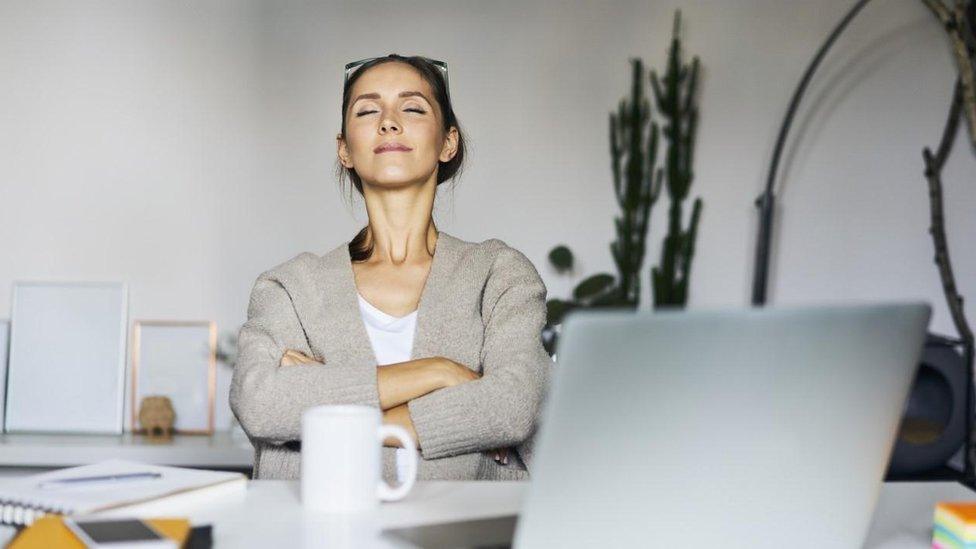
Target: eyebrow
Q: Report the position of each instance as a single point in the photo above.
(401, 94)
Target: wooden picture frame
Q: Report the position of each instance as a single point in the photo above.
(176, 359)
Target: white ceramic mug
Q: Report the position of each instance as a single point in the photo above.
(341, 452)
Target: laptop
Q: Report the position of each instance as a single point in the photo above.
(743, 428)
(735, 428)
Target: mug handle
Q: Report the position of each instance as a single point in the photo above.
(385, 491)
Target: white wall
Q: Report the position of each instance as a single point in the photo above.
(186, 148)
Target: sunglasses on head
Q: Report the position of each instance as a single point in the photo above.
(442, 66)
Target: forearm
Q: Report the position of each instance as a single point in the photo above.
(490, 413)
(396, 383)
(399, 415)
(404, 381)
(269, 399)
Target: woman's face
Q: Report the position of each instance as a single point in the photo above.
(392, 104)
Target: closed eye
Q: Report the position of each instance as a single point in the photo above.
(419, 111)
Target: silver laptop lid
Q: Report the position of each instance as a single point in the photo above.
(746, 428)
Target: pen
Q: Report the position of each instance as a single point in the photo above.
(82, 480)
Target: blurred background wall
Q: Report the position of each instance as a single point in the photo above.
(186, 147)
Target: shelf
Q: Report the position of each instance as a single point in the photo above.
(222, 450)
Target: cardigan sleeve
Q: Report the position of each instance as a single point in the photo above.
(268, 399)
(499, 409)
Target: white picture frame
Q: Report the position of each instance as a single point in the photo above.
(178, 360)
(66, 367)
(4, 353)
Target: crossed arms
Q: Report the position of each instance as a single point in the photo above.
(397, 384)
(495, 410)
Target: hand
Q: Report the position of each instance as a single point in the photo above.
(293, 357)
(456, 373)
(400, 415)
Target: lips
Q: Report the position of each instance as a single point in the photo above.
(391, 147)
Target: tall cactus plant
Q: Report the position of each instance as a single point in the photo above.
(637, 184)
(675, 98)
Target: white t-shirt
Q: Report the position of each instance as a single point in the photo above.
(392, 340)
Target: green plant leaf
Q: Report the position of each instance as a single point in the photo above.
(611, 298)
(556, 309)
(593, 285)
(561, 258)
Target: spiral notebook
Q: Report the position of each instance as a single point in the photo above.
(24, 499)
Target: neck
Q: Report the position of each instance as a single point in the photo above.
(401, 227)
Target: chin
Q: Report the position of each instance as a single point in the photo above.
(396, 178)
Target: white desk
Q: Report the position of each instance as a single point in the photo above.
(903, 516)
(269, 514)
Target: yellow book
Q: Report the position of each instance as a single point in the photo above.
(51, 531)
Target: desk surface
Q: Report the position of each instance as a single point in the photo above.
(269, 514)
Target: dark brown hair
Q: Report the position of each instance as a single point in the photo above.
(359, 248)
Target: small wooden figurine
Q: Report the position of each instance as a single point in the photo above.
(156, 416)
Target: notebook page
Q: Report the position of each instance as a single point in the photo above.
(86, 498)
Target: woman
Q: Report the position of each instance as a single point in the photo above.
(443, 335)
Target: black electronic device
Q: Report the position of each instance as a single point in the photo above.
(124, 533)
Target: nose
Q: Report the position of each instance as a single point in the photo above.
(389, 125)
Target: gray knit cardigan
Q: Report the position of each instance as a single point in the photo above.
(483, 306)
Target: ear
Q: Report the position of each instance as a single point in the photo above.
(343, 151)
(450, 145)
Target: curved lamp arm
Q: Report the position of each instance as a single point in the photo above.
(766, 200)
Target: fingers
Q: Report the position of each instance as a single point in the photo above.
(500, 456)
(293, 357)
(299, 356)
